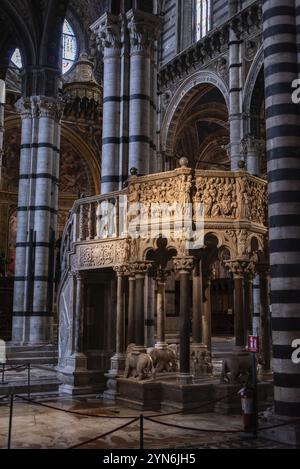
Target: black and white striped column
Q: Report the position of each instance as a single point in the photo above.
(37, 219)
(2, 104)
(235, 97)
(109, 30)
(20, 329)
(283, 143)
(143, 28)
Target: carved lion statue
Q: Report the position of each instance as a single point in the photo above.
(236, 369)
(138, 365)
(163, 360)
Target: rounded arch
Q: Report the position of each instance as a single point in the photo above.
(182, 96)
(251, 80)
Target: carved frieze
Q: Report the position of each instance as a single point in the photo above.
(99, 255)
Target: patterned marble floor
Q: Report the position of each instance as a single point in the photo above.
(41, 427)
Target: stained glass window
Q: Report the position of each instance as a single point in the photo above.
(69, 49)
(203, 18)
(17, 59)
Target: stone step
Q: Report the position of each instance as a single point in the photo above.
(38, 386)
(30, 348)
(51, 360)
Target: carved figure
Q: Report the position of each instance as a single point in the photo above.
(200, 364)
(236, 369)
(138, 365)
(163, 360)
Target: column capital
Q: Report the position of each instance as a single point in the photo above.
(240, 267)
(184, 264)
(24, 108)
(144, 29)
(121, 270)
(108, 31)
(40, 106)
(140, 268)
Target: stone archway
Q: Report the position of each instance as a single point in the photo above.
(197, 112)
(189, 88)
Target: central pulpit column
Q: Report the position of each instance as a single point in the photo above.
(140, 270)
(184, 265)
(161, 279)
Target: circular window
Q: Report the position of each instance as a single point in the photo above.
(69, 52)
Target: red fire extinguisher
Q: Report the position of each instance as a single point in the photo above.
(246, 395)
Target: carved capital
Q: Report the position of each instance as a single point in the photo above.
(143, 29)
(184, 264)
(140, 267)
(47, 107)
(23, 107)
(240, 267)
(121, 270)
(40, 106)
(108, 31)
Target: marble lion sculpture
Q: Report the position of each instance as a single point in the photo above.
(163, 360)
(138, 365)
(236, 369)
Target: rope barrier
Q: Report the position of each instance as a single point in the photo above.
(17, 368)
(191, 428)
(103, 435)
(81, 414)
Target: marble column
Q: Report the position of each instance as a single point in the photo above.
(37, 219)
(131, 310)
(140, 270)
(280, 20)
(239, 318)
(143, 29)
(124, 102)
(161, 310)
(207, 329)
(117, 362)
(119, 358)
(235, 98)
(248, 305)
(253, 156)
(108, 29)
(2, 105)
(79, 318)
(197, 304)
(184, 265)
(236, 267)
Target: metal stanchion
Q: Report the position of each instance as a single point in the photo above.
(3, 371)
(10, 420)
(141, 431)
